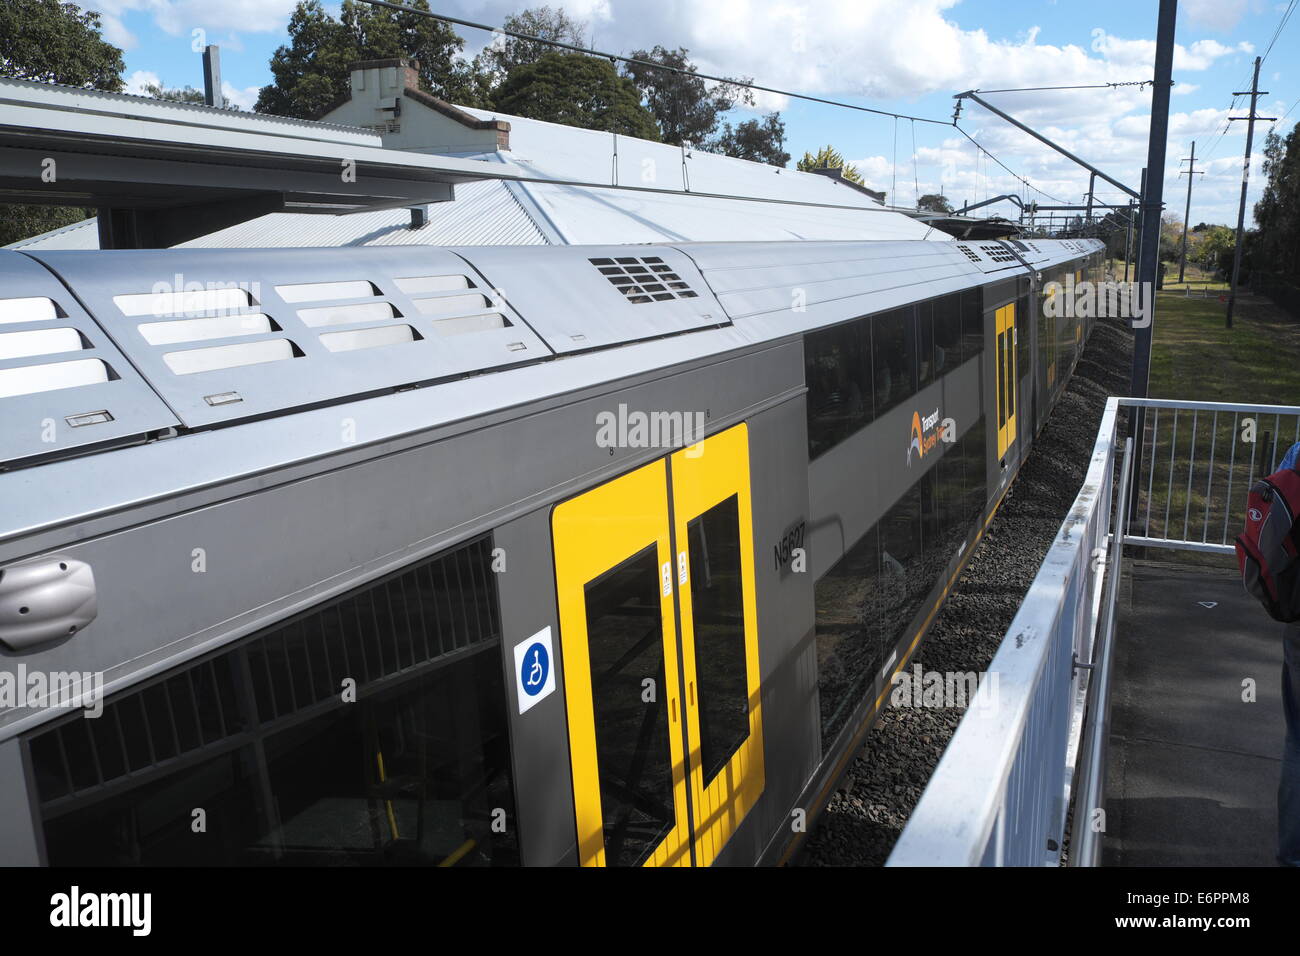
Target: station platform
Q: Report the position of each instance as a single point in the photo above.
(1193, 768)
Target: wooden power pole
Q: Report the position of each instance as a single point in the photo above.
(1254, 93)
(1191, 172)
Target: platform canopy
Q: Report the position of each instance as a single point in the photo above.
(167, 172)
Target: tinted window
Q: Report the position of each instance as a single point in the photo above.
(415, 769)
(903, 583)
(625, 641)
(894, 352)
(867, 602)
(947, 334)
(718, 618)
(925, 364)
(972, 323)
(837, 367)
(849, 651)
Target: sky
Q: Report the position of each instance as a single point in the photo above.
(908, 56)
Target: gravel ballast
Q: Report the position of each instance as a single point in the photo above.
(884, 781)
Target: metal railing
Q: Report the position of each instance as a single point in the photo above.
(1000, 795)
(1198, 461)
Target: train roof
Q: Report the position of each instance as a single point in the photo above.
(129, 376)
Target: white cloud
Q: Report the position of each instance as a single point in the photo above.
(137, 81)
(244, 98)
(179, 18)
(1221, 15)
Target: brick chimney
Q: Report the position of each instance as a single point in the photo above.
(381, 91)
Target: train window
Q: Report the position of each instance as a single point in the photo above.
(947, 334)
(837, 368)
(972, 323)
(718, 615)
(625, 643)
(893, 340)
(414, 770)
(925, 365)
(974, 470)
(902, 582)
(849, 651)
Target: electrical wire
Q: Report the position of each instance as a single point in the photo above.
(1022, 179)
(1286, 16)
(649, 63)
(1091, 86)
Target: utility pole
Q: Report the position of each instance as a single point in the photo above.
(1149, 244)
(1191, 172)
(1152, 198)
(1255, 93)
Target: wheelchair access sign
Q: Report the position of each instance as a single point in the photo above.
(534, 669)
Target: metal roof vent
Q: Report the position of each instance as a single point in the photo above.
(644, 279)
(971, 254)
(998, 253)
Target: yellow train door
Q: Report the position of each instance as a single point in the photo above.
(715, 565)
(660, 655)
(1005, 328)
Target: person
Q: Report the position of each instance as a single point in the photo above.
(1288, 790)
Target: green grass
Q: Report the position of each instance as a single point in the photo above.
(1195, 357)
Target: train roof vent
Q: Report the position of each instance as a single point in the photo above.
(63, 384)
(564, 292)
(998, 253)
(644, 279)
(229, 334)
(971, 254)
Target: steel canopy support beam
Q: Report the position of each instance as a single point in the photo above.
(988, 202)
(125, 228)
(972, 95)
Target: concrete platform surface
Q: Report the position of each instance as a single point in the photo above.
(1193, 765)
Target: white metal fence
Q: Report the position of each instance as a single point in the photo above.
(1000, 795)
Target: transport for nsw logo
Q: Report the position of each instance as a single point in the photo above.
(927, 432)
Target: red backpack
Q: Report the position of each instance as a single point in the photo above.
(1268, 551)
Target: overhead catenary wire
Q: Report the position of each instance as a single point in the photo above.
(650, 64)
(1088, 86)
(984, 150)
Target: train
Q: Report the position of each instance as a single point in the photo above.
(545, 556)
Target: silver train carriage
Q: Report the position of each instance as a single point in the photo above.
(479, 556)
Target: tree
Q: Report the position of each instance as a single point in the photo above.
(507, 53)
(829, 158)
(759, 140)
(52, 42)
(1214, 251)
(312, 71)
(686, 108)
(1276, 247)
(576, 90)
(934, 202)
(187, 94)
